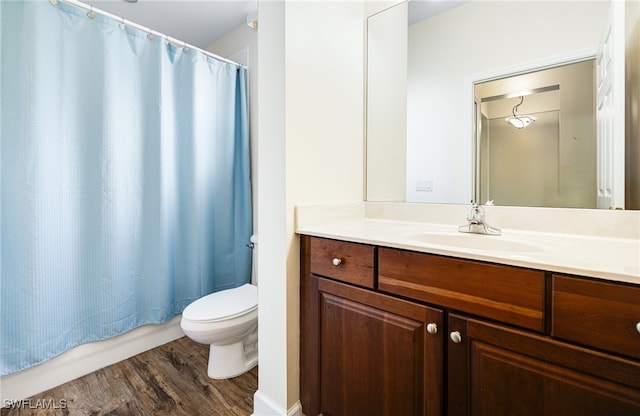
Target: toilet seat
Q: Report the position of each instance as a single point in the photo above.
(223, 305)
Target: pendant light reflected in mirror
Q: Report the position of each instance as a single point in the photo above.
(519, 121)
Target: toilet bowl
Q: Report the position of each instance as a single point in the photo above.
(228, 322)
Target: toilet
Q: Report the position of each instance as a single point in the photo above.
(227, 321)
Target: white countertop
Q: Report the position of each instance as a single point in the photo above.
(616, 259)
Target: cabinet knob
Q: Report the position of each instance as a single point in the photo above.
(638, 327)
(456, 337)
(432, 328)
(337, 262)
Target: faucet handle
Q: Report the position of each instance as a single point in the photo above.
(476, 223)
(476, 214)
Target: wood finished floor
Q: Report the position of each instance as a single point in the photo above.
(168, 380)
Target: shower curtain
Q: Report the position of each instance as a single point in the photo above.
(125, 179)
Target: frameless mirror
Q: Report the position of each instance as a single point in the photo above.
(428, 153)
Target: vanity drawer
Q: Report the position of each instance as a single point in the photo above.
(509, 294)
(597, 314)
(347, 262)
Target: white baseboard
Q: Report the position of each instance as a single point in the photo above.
(264, 406)
(87, 358)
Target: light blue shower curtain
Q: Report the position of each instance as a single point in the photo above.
(125, 179)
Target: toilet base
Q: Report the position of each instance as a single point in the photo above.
(232, 360)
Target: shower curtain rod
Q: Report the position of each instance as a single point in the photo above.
(129, 23)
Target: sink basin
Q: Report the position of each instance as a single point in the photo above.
(476, 242)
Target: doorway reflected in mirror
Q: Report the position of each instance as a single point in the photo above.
(551, 162)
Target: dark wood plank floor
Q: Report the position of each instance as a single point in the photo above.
(168, 380)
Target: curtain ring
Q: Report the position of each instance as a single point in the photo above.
(54, 2)
(90, 13)
(122, 25)
(184, 48)
(149, 35)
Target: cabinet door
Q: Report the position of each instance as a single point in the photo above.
(377, 356)
(494, 370)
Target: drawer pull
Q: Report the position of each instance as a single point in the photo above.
(638, 327)
(432, 328)
(456, 337)
(337, 262)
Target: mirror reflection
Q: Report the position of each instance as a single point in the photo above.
(536, 137)
(469, 44)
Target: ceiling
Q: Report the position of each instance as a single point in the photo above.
(202, 22)
(423, 9)
(196, 22)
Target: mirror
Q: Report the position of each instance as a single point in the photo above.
(447, 54)
(536, 138)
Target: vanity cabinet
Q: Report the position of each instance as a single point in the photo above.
(387, 331)
(597, 314)
(376, 353)
(507, 294)
(363, 352)
(496, 370)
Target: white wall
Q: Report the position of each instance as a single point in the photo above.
(324, 126)
(310, 150)
(476, 38)
(272, 396)
(311, 126)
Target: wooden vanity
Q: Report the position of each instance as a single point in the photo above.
(387, 331)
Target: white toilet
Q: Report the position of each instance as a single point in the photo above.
(228, 322)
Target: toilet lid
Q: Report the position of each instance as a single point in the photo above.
(223, 305)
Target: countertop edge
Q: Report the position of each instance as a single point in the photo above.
(366, 233)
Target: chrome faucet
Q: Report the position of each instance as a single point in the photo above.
(476, 223)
